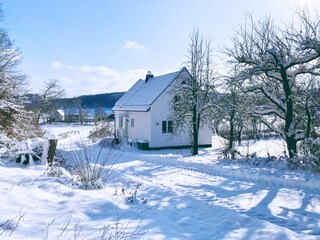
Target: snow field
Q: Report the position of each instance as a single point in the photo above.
(187, 197)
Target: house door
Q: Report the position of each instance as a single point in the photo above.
(125, 130)
(122, 129)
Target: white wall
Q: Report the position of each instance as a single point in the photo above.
(161, 111)
(141, 129)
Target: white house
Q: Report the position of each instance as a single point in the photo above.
(143, 114)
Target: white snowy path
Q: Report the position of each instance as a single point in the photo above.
(211, 202)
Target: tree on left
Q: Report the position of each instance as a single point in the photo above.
(50, 92)
(14, 118)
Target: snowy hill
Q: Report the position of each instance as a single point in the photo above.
(178, 196)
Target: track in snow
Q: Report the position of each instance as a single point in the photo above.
(263, 190)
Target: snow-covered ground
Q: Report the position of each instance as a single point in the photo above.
(178, 197)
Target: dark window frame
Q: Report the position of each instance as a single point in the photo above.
(164, 126)
(167, 126)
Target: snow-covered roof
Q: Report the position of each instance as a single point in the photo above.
(143, 93)
(72, 111)
(61, 112)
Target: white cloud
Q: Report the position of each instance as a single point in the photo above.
(133, 45)
(60, 65)
(57, 64)
(100, 70)
(83, 80)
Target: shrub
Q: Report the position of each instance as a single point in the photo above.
(130, 194)
(108, 143)
(93, 165)
(310, 158)
(73, 226)
(27, 152)
(230, 153)
(9, 226)
(312, 147)
(102, 130)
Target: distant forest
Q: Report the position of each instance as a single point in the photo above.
(105, 100)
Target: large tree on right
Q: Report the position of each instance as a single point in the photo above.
(273, 62)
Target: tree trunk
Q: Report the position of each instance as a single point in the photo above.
(195, 143)
(39, 115)
(240, 128)
(292, 146)
(231, 131)
(254, 130)
(195, 131)
(289, 129)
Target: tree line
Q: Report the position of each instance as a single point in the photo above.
(272, 79)
(52, 98)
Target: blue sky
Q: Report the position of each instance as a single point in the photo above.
(99, 46)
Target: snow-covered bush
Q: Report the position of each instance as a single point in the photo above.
(56, 171)
(270, 161)
(101, 131)
(5, 144)
(230, 153)
(310, 158)
(120, 230)
(311, 147)
(93, 165)
(305, 163)
(29, 151)
(108, 143)
(67, 134)
(130, 194)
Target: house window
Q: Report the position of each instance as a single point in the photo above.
(167, 126)
(164, 126)
(132, 122)
(120, 122)
(170, 126)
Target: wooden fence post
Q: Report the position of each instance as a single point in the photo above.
(51, 150)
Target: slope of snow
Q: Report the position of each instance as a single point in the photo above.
(185, 197)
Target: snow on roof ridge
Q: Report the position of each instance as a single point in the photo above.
(144, 93)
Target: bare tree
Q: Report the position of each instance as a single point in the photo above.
(78, 102)
(99, 115)
(51, 91)
(13, 85)
(231, 114)
(191, 101)
(308, 101)
(271, 61)
(75, 111)
(235, 110)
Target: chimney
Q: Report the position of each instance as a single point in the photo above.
(149, 75)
